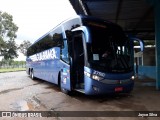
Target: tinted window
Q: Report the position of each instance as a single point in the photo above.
(109, 49)
(52, 39)
(67, 48)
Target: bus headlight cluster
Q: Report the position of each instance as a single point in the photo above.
(133, 77)
(95, 77)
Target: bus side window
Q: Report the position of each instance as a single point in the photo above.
(64, 52)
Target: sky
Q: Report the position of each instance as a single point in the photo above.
(36, 17)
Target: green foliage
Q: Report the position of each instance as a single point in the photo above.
(8, 47)
(10, 51)
(12, 64)
(2, 44)
(11, 69)
(146, 42)
(7, 28)
(149, 42)
(24, 46)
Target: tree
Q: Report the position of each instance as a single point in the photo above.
(10, 51)
(2, 45)
(24, 46)
(8, 31)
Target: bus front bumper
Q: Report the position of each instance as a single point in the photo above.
(94, 87)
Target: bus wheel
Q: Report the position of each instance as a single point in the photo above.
(32, 74)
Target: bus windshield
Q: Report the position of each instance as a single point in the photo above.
(109, 50)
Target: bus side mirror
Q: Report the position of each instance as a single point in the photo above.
(138, 47)
(138, 43)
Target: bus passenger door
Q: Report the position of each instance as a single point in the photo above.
(77, 67)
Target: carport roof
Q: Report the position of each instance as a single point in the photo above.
(135, 16)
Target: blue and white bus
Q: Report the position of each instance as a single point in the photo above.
(84, 54)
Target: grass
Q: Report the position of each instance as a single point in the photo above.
(11, 69)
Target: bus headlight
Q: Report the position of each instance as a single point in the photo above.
(95, 77)
(133, 77)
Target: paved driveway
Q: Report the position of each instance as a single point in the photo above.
(19, 93)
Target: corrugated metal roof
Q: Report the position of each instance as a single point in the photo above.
(135, 16)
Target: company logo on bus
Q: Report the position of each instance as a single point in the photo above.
(53, 53)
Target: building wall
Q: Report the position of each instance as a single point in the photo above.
(147, 72)
(149, 57)
(147, 64)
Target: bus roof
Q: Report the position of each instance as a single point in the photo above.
(84, 18)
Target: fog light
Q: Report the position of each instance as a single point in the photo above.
(95, 88)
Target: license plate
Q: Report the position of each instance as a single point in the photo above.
(118, 89)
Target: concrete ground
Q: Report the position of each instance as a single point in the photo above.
(19, 93)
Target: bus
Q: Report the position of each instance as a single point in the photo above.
(84, 54)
